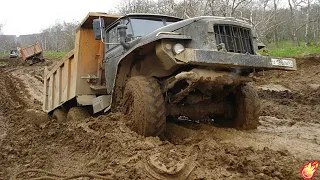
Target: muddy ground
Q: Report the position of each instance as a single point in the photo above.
(103, 147)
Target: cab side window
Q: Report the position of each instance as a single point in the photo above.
(113, 37)
(113, 34)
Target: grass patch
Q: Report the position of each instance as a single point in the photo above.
(54, 54)
(3, 55)
(286, 49)
(46, 54)
(3, 64)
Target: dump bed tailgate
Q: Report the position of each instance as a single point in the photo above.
(235, 60)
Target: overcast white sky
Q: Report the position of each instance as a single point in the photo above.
(31, 16)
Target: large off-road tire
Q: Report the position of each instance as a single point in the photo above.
(144, 106)
(77, 114)
(60, 115)
(247, 108)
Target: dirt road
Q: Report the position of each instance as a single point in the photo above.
(288, 135)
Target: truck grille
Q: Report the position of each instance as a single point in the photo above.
(236, 39)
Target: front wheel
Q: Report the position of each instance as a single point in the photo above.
(144, 106)
(77, 114)
(60, 115)
(247, 108)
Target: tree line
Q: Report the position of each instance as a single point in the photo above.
(58, 37)
(1, 25)
(274, 21)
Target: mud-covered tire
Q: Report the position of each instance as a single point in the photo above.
(60, 115)
(247, 108)
(77, 114)
(144, 106)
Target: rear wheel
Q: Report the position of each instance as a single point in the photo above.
(247, 108)
(144, 106)
(60, 115)
(77, 113)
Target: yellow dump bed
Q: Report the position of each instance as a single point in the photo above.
(71, 78)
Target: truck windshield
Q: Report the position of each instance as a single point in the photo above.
(143, 27)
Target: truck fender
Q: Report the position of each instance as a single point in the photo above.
(117, 69)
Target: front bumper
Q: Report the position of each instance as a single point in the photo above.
(235, 60)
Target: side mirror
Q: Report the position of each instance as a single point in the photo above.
(122, 29)
(98, 26)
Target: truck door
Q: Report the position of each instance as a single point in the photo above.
(114, 51)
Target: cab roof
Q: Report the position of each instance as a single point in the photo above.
(110, 18)
(153, 15)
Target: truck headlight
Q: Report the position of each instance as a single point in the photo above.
(178, 48)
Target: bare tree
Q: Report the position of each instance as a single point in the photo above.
(1, 27)
(271, 20)
(306, 34)
(303, 21)
(58, 37)
(275, 26)
(236, 4)
(293, 5)
(262, 18)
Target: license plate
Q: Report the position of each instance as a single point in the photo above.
(282, 62)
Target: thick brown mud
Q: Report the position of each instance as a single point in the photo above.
(288, 136)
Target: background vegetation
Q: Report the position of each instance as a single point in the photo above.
(287, 27)
(286, 49)
(54, 54)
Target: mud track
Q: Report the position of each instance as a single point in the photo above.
(288, 135)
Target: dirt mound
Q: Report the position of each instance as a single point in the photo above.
(6, 62)
(302, 102)
(11, 91)
(304, 78)
(307, 97)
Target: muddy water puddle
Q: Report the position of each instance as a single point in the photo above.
(300, 139)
